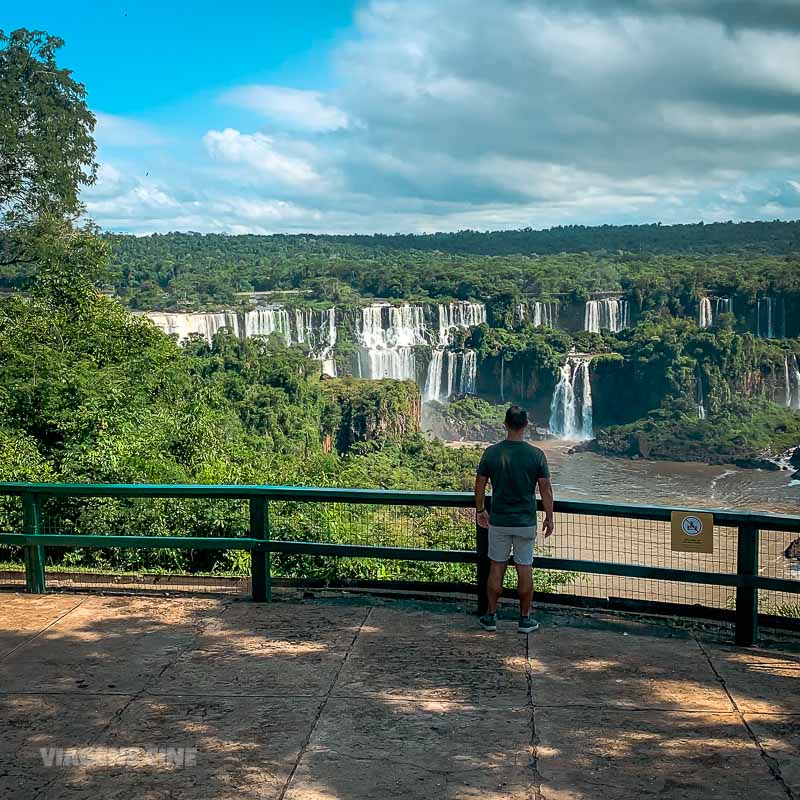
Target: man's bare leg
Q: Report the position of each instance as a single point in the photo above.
(494, 586)
(524, 588)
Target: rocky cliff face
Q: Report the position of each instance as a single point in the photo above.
(363, 410)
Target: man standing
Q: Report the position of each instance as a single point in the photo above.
(515, 468)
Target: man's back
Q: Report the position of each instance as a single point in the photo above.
(513, 467)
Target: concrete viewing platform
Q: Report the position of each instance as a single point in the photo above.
(200, 697)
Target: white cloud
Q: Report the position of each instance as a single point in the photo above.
(259, 152)
(497, 114)
(294, 108)
(115, 131)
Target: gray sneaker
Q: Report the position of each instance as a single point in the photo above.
(488, 622)
(527, 624)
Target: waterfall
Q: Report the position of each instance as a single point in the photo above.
(389, 335)
(764, 317)
(545, 314)
(701, 407)
(792, 371)
(325, 354)
(723, 305)
(571, 408)
(469, 371)
(184, 325)
(609, 313)
(433, 383)
(502, 378)
(460, 314)
(266, 320)
(709, 313)
(706, 315)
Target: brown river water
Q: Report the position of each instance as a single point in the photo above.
(591, 476)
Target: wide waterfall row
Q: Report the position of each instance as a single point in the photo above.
(610, 313)
(792, 381)
(313, 328)
(184, 325)
(389, 335)
(571, 407)
(710, 309)
(450, 373)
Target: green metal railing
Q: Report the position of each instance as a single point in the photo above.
(745, 580)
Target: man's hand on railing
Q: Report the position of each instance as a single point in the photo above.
(549, 527)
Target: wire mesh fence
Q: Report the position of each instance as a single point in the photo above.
(779, 557)
(578, 536)
(643, 543)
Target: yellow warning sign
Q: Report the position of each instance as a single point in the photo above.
(692, 532)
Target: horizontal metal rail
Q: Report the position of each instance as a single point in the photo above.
(733, 519)
(395, 554)
(745, 580)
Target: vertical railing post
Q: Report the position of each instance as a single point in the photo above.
(259, 556)
(484, 564)
(33, 553)
(747, 596)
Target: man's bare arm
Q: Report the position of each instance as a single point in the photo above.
(480, 500)
(546, 491)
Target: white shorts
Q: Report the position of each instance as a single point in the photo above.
(504, 538)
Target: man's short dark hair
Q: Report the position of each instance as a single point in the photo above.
(516, 418)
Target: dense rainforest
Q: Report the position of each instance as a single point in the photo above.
(317, 357)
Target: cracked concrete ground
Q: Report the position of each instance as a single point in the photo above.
(334, 699)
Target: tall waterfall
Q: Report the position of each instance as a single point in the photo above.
(701, 403)
(448, 372)
(184, 325)
(765, 317)
(546, 314)
(433, 383)
(706, 315)
(610, 313)
(571, 407)
(711, 308)
(469, 371)
(791, 371)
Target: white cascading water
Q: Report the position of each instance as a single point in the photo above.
(450, 371)
(469, 370)
(571, 409)
(545, 314)
(460, 314)
(433, 383)
(610, 313)
(709, 311)
(791, 376)
(388, 335)
(186, 324)
(266, 320)
(701, 403)
(764, 317)
(706, 315)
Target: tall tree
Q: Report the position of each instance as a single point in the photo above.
(47, 152)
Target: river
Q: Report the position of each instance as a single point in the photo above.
(591, 476)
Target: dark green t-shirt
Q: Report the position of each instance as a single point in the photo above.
(513, 468)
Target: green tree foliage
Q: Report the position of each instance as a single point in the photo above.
(46, 145)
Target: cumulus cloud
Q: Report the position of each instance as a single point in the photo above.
(295, 108)
(517, 112)
(263, 158)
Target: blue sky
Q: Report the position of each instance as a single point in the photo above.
(421, 115)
